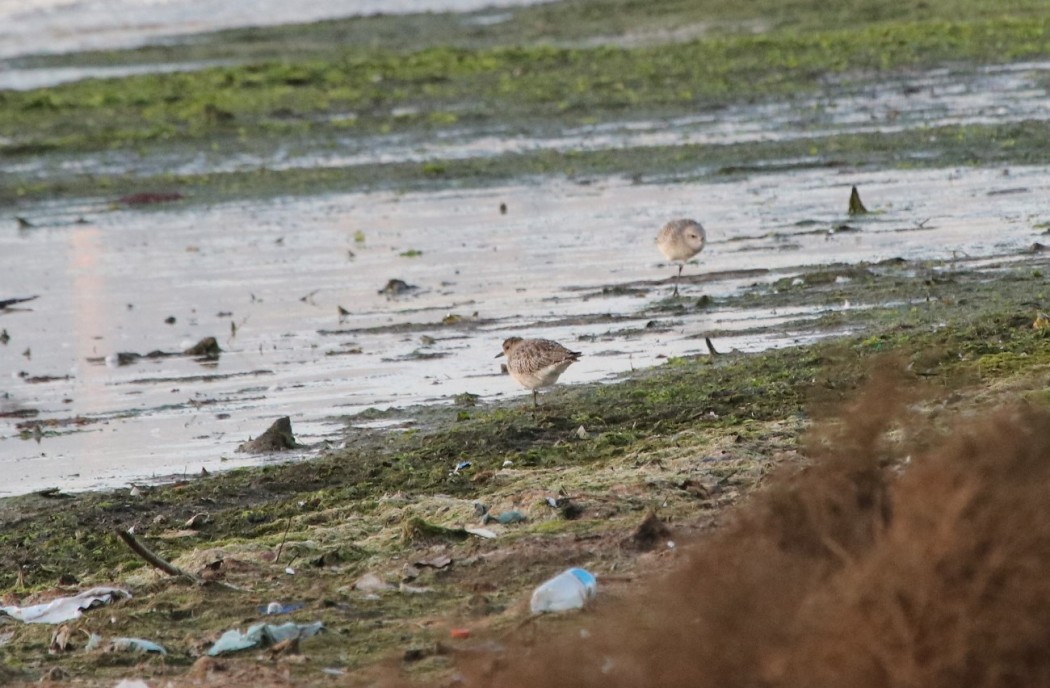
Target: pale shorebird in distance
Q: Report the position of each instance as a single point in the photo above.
(680, 240)
(536, 363)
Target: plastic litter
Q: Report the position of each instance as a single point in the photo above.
(481, 532)
(570, 589)
(505, 518)
(135, 645)
(66, 608)
(262, 635)
(124, 645)
(280, 608)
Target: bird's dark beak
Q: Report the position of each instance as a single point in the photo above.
(498, 355)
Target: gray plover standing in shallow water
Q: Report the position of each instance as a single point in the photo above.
(680, 240)
(536, 363)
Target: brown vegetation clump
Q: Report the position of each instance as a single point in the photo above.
(884, 563)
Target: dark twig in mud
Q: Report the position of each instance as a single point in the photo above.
(725, 478)
(6, 303)
(152, 559)
(284, 538)
(710, 347)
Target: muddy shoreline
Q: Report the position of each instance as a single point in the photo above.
(689, 439)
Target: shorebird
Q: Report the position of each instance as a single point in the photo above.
(536, 363)
(680, 240)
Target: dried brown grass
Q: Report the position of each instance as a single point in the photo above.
(865, 569)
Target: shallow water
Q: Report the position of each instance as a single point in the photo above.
(24, 79)
(280, 269)
(59, 26)
(995, 94)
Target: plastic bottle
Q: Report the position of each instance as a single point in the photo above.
(570, 589)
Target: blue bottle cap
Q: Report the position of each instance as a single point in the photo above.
(585, 577)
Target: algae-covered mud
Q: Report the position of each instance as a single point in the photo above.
(369, 539)
(361, 105)
(340, 222)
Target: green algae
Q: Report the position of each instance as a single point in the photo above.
(310, 103)
(932, 147)
(442, 87)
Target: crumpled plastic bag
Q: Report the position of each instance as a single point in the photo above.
(124, 645)
(66, 608)
(262, 635)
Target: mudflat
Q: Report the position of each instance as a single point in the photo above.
(514, 174)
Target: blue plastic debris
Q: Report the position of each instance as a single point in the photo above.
(262, 635)
(506, 518)
(279, 608)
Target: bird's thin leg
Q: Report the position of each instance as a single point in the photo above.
(535, 399)
(678, 278)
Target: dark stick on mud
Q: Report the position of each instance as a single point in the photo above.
(5, 303)
(152, 559)
(710, 347)
(284, 537)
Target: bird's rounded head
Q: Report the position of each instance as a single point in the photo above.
(508, 345)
